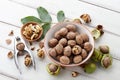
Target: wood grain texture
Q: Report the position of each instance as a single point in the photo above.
(12, 22)
(75, 8)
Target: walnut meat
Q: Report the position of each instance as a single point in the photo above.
(79, 39)
(71, 27)
(86, 18)
(27, 61)
(88, 46)
(71, 43)
(63, 31)
(59, 48)
(20, 46)
(67, 51)
(63, 41)
(77, 59)
(52, 42)
(77, 21)
(76, 50)
(40, 53)
(71, 35)
(64, 60)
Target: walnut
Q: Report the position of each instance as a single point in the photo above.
(64, 60)
(63, 41)
(76, 50)
(59, 48)
(84, 53)
(20, 46)
(67, 51)
(71, 35)
(52, 52)
(79, 39)
(53, 42)
(88, 46)
(10, 54)
(32, 48)
(84, 37)
(40, 53)
(74, 74)
(27, 61)
(71, 43)
(77, 21)
(63, 31)
(8, 41)
(86, 18)
(11, 33)
(71, 27)
(41, 44)
(77, 59)
(57, 35)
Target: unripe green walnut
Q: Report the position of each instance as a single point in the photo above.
(53, 69)
(106, 61)
(90, 68)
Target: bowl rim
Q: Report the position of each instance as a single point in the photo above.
(70, 65)
(24, 25)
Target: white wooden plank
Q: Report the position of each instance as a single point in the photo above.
(74, 8)
(110, 4)
(66, 75)
(41, 64)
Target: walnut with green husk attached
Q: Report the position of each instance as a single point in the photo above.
(53, 69)
(106, 61)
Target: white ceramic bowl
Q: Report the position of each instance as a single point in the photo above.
(80, 28)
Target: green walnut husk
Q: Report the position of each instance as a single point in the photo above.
(96, 33)
(106, 61)
(54, 70)
(97, 55)
(90, 68)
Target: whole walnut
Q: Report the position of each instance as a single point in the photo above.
(59, 48)
(63, 41)
(52, 52)
(71, 43)
(71, 27)
(77, 21)
(84, 37)
(67, 51)
(76, 50)
(77, 59)
(79, 39)
(20, 46)
(84, 53)
(57, 35)
(53, 42)
(63, 31)
(71, 35)
(88, 46)
(64, 60)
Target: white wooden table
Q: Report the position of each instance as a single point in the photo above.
(105, 12)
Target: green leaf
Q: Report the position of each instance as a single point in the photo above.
(45, 27)
(30, 19)
(44, 15)
(60, 16)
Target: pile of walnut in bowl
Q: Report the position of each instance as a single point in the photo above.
(69, 46)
